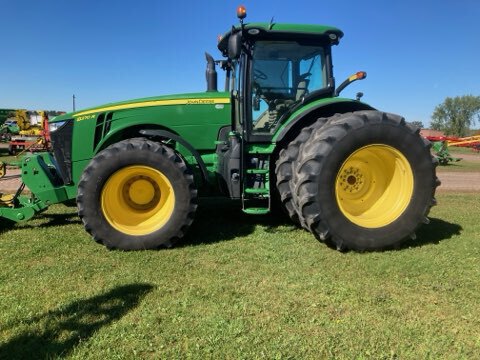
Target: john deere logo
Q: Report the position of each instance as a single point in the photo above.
(200, 102)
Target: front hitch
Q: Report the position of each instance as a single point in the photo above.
(38, 174)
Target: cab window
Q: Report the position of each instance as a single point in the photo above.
(282, 73)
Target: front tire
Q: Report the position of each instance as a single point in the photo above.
(137, 194)
(365, 181)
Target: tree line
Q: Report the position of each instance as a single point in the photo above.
(455, 116)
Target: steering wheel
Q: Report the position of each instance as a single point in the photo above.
(259, 75)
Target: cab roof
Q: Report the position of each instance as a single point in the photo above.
(283, 30)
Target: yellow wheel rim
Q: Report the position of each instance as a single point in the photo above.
(137, 200)
(374, 186)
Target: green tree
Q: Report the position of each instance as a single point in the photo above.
(418, 124)
(455, 115)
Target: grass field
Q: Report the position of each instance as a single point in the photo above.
(470, 160)
(241, 287)
(462, 150)
(464, 165)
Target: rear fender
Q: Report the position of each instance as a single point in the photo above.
(307, 116)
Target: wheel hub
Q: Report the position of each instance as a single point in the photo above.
(141, 192)
(351, 180)
(138, 200)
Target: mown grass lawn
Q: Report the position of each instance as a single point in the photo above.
(241, 287)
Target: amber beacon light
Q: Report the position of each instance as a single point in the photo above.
(241, 12)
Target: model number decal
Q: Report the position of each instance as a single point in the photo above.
(85, 117)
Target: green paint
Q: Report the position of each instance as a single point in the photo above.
(37, 176)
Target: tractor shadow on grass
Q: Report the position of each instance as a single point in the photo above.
(56, 333)
(52, 220)
(436, 231)
(47, 220)
(220, 220)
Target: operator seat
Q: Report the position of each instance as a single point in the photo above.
(302, 86)
(272, 115)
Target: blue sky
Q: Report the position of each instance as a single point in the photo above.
(416, 53)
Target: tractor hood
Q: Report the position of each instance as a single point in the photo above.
(193, 116)
(203, 98)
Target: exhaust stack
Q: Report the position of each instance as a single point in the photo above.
(211, 73)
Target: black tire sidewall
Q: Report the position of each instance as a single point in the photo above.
(341, 228)
(103, 168)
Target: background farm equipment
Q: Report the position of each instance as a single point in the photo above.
(29, 137)
(472, 142)
(440, 148)
(441, 144)
(8, 129)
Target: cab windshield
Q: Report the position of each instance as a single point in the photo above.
(283, 72)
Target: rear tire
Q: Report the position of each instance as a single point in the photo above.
(137, 194)
(285, 167)
(365, 181)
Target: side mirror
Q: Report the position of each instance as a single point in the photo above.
(235, 45)
(360, 75)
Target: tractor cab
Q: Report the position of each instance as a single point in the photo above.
(276, 69)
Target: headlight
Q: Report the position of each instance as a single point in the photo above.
(55, 125)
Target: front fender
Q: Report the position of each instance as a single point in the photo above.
(127, 130)
(151, 131)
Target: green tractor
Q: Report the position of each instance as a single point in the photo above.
(9, 128)
(278, 136)
(441, 152)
